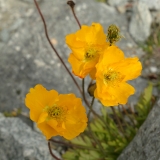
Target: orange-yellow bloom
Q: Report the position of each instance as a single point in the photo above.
(87, 44)
(113, 70)
(56, 114)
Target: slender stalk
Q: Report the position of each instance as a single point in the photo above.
(89, 127)
(83, 93)
(72, 145)
(122, 116)
(50, 150)
(95, 138)
(120, 111)
(89, 113)
(90, 130)
(108, 128)
(132, 112)
(72, 4)
(118, 120)
(88, 105)
(125, 111)
(57, 54)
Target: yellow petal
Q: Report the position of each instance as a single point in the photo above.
(115, 95)
(80, 68)
(130, 67)
(56, 125)
(92, 73)
(37, 99)
(122, 92)
(95, 34)
(111, 55)
(74, 41)
(47, 130)
(42, 117)
(75, 63)
(76, 118)
(89, 40)
(73, 130)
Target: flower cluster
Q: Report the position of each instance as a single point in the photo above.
(104, 62)
(94, 54)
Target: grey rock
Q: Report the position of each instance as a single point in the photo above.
(156, 16)
(139, 84)
(154, 4)
(145, 145)
(19, 142)
(36, 129)
(27, 59)
(1, 115)
(4, 35)
(17, 24)
(117, 2)
(140, 24)
(31, 1)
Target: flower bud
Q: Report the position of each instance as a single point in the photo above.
(113, 34)
(91, 89)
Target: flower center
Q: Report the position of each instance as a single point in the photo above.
(56, 112)
(90, 54)
(112, 77)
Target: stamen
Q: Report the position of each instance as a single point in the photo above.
(112, 77)
(90, 54)
(56, 112)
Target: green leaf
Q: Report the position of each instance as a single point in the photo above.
(144, 105)
(70, 155)
(108, 134)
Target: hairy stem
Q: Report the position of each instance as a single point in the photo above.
(50, 150)
(72, 4)
(72, 145)
(57, 54)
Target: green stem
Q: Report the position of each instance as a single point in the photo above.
(96, 140)
(84, 97)
(125, 111)
(72, 145)
(89, 113)
(89, 127)
(119, 123)
(122, 116)
(117, 119)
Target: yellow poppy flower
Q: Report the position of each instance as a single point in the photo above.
(113, 70)
(56, 114)
(86, 44)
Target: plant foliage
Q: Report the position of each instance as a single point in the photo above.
(106, 139)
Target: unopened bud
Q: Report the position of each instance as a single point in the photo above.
(113, 34)
(91, 89)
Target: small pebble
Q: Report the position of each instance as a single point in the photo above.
(153, 69)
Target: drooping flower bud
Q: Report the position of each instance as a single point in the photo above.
(91, 89)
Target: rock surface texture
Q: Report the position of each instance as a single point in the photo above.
(141, 20)
(26, 57)
(19, 142)
(146, 144)
(154, 4)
